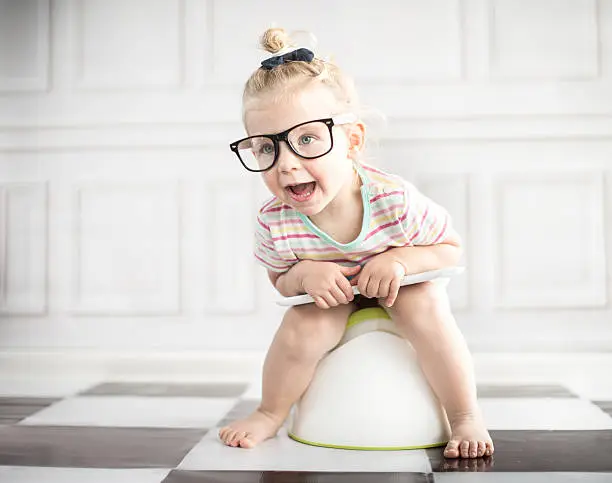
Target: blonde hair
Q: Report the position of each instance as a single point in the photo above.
(279, 80)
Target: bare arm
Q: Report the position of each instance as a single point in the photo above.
(417, 259)
(289, 283)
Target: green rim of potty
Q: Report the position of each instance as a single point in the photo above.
(366, 314)
(365, 448)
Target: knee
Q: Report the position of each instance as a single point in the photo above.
(308, 329)
(423, 299)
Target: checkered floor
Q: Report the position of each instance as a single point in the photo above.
(76, 431)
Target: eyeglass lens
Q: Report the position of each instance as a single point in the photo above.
(309, 140)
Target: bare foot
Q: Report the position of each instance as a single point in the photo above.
(469, 438)
(247, 433)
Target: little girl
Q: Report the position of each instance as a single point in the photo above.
(333, 219)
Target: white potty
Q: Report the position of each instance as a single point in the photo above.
(369, 393)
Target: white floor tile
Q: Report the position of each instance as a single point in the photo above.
(543, 414)
(44, 387)
(595, 390)
(530, 477)
(26, 474)
(284, 454)
(134, 411)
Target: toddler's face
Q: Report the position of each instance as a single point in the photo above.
(308, 185)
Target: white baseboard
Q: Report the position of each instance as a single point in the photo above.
(567, 368)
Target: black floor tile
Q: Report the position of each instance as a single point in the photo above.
(293, 477)
(524, 451)
(167, 389)
(91, 447)
(14, 409)
(520, 390)
(520, 477)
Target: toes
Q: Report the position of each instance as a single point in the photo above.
(223, 432)
(473, 451)
(481, 448)
(464, 449)
(238, 438)
(230, 438)
(246, 441)
(452, 449)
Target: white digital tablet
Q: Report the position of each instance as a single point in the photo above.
(407, 280)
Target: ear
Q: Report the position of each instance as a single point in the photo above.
(356, 138)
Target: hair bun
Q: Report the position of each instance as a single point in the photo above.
(274, 40)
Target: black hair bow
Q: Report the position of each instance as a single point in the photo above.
(295, 55)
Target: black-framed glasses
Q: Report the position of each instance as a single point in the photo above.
(308, 140)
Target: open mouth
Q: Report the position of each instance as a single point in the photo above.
(301, 191)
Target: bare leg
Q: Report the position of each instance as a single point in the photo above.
(306, 334)
(422, 314)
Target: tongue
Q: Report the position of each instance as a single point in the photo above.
(301, 188)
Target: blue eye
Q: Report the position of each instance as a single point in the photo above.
(266, 149)
(306, 139)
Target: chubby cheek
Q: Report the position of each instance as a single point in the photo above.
(331, 177)
(271, 181)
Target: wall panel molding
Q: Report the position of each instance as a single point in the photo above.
(144, 51)
(180, 135)
(525, 44)
(230, 284)
(23, 248)
(32, 16)
(550, 240)
(126, 248)
(469, 102)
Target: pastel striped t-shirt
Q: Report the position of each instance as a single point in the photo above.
(395, 214)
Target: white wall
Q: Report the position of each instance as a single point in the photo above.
(116, 177)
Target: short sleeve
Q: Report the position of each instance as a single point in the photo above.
(264, 250)
(424, 222)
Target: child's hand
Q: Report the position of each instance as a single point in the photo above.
(327, 284)
(381, 277)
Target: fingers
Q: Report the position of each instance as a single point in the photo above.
(373, 288)
(383, 288)
(369, 286)
(348, 271)
(362, 284)
(393, 291)
(330, 299)
(338, 295)
(320, 302)
(347, 289)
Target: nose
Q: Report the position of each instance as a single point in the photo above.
(287, 159)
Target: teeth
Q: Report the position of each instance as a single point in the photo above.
(303, 194)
